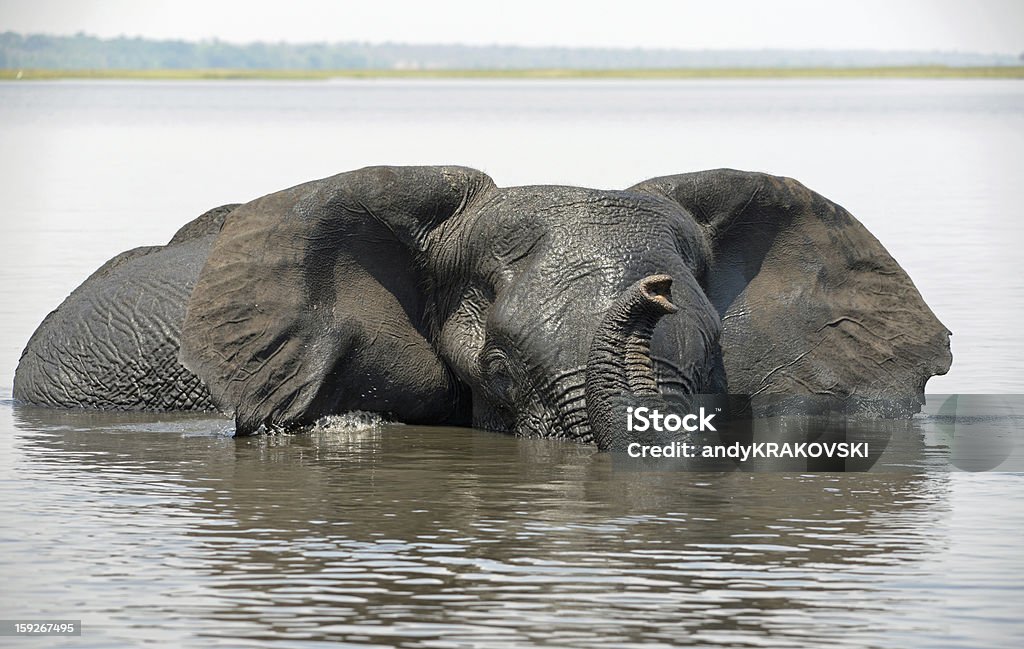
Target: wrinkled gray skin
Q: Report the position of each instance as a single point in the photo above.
(113, 343)
(433, 296)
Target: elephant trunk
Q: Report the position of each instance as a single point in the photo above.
(619, 370)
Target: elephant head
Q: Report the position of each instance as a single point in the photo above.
(432, 295)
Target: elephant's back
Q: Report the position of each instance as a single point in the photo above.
(113, 343)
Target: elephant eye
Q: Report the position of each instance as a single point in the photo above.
(497, 370)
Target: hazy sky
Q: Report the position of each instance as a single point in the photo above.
(965, 25)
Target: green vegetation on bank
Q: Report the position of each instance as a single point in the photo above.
(904, 72)
(85, 52)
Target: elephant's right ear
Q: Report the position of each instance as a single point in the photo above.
(312, 300)
(810, 302)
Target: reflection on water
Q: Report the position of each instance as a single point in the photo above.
(172, 530)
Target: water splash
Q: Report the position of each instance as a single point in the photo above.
(350, 422)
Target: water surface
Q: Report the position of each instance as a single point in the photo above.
(166, 529)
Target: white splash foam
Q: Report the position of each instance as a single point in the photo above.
(350, 422)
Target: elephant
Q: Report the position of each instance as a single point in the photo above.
(113, 343)
(433, 296)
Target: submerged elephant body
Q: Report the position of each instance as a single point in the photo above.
(113, 343)
(433, 296)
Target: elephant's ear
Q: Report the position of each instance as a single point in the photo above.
(811, 303)
(312, 300)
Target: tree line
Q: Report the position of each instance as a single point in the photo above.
(85, 52)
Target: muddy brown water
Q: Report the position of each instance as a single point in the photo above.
(166, 530)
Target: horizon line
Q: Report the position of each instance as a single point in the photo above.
(535, 74)
(618, 48)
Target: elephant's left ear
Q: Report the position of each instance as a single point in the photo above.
(811, 303)
(315, 300)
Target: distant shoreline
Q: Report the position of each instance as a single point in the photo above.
(900, 72)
